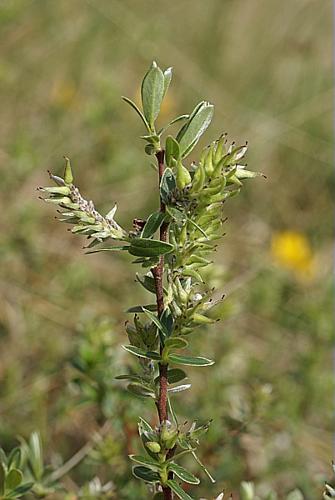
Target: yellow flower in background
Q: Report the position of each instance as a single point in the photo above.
(291, 249)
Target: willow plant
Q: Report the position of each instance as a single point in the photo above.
(189, 223)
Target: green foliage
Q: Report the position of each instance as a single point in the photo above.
(35, 469)
(191, 206)
(12, 483)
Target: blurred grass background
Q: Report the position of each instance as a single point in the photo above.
(267, 67)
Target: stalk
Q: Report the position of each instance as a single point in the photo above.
(158, 274)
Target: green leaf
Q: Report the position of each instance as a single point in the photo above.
(172, 151)
(138, 111)
(247, 491)
(14, 458)
(147, 435)
(176, 214)
(175, 343)
(176, 375)
(147, 282)
(139, 308)
(111, 249)
(151, 138)
(167, 79)
(21, 490)
(152, 224)
(145, 247)
(183, 474)
(136, 351)
(140, 390)
(157, 322)
(13, 479)
(178, 490)
(197, 124)
(190, 360)
(179, 388)
(194, 274)
(146, 461)
(36, 457)
(144, 427)
(150, 149)
(167, 321)
(146, 474)
(152, 91)
(168, 185)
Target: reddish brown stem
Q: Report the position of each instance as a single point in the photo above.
(167, 493)
(158, 273)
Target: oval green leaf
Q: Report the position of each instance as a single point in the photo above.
(179, 388)
(152, 224)
(13, 479)
(146, 474)
(156, 321)
(190, 360)
(197, 124)
(183, 474)
(145, 461)
(140, 353)
(175, 343)
(145, 247)
(140, 390)
(168, 185)
(175, 375)
(172, 151)
(152, 93)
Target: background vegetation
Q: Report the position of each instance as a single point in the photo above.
(267, 67)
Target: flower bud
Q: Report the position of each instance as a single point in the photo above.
(198, 179)
(60, 190)
(201, 319)
(169, 435)
(183, 177)
(68, 176)
(153, 446)
(209, 167)
(220, 149)
(182, 295)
